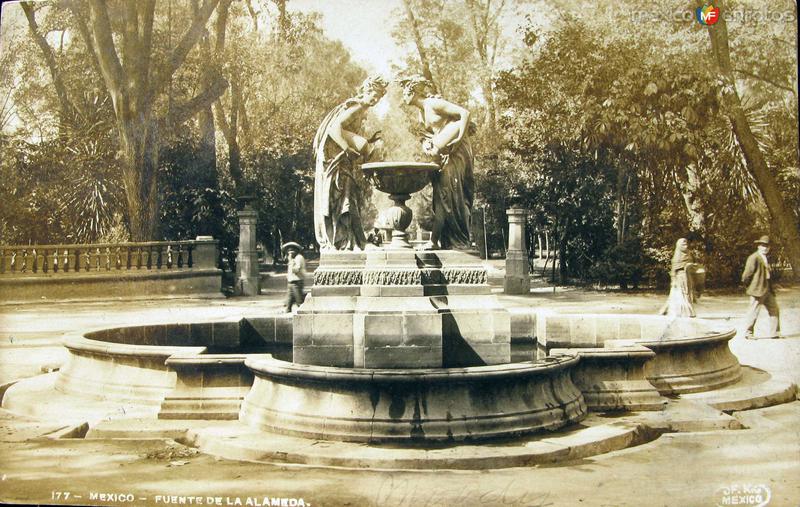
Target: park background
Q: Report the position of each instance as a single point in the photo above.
(619, 126)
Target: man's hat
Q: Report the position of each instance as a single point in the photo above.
(291, 244)
(763, 240)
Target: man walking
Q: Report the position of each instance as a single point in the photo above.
(757, 277)
(295, 275)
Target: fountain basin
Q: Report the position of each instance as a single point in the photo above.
(412, 405)
(399, 177)
(614, 379)
(693, 364)
(399, 180)
(691, 355)
(175, 370)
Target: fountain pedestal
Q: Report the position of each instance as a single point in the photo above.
(401, 309)
(399, 216)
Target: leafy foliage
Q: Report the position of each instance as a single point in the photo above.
(652, 156)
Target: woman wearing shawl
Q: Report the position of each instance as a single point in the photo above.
(446, 131)
(681, 293)
(338, 148)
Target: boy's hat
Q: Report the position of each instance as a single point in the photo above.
(291, 245)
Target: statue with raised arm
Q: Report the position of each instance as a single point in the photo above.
(338, 148)
(446, 140)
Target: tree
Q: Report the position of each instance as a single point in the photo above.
(659, 127)
(785, 221)
(123, 45)
(486, 37)
(457, 45)
(67, 110)
(422, 52)
(72, 175)
(286, 80)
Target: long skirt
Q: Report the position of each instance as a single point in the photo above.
(680, 302)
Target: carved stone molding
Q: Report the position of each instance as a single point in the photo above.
(401, 277)
(393, 277)
(338, 277)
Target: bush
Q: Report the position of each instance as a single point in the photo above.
(623, 265)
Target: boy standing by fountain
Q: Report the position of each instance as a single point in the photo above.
(295, 275)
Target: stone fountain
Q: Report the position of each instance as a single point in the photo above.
(392, 346)
(400, 345)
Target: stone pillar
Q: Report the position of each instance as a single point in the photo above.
(517, 280)
(247, 277)
(206, 252)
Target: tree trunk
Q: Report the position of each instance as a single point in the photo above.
(230, 130)
(690, 186)
(66, 110)
(139, 172)
(234, 152)
(782, 217)
(421, 51)
(235, 162)
(485, 34)
(562, 257)
(621, 208)
(208, 141)
(283, 21)
(134, 84)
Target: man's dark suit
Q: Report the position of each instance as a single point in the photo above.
(757, 278)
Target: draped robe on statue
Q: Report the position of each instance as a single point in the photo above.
(453, 194)
(337, 218)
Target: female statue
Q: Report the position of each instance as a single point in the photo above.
(446, 138)
(681, 293)
(339, 148)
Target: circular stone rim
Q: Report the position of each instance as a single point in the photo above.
(379, 166)
(717, 336)
(269, 366)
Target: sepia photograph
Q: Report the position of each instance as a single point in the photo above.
(399, 253)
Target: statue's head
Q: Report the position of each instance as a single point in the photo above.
(415, 85)
(373, 88)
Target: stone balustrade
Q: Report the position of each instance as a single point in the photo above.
(67, 271)
(41, 259)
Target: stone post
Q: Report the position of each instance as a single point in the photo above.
(247, 276)
(516, 280)
(206, 253)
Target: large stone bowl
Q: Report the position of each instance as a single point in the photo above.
(399, 177)
(399, 180)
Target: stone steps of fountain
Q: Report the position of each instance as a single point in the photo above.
(25, 398)
(757, 389)
(592, 437)
(597, 434)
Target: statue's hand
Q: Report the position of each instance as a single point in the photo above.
(375, 137)
(429, 148)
